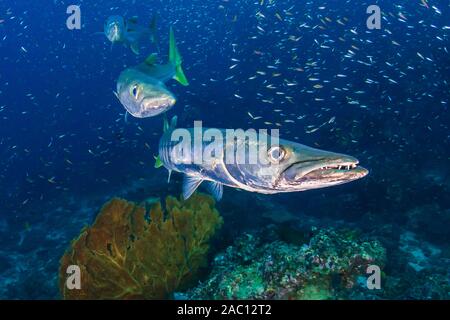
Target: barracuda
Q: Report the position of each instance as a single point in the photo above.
(141, 89)
(285, 167)
(127, 32)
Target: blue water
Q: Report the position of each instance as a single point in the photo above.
(65, 147)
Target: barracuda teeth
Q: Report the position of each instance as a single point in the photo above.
(340, 167)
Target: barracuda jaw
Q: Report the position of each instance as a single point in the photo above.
(339, 168)
(322, 173)
(155, 105)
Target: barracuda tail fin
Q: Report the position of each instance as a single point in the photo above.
(175, 59)
(158, 162)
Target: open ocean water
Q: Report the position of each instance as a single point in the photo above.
(312, 69)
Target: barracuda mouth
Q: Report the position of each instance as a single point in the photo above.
(113, 34)
(323, 173)
(341, 169)
(153, 106)
(155, 103)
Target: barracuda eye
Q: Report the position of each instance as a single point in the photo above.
(276, 154)
(135, 91)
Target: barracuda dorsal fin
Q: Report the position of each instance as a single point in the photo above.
(190, 184)
(151, 59)
(216, 189)
(165, 124)
(173, 122)
(172, 125)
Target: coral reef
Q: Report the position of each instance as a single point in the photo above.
(328, 266)
(129, 253)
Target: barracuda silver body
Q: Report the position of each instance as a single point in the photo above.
(285, 167)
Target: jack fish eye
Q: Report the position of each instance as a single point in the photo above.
(134, 91)
(276, 154)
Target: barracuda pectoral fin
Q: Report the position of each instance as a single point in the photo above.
(134, 46)
(216, 189)
(190, 184)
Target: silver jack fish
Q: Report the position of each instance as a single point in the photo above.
(127, 32)
(141, 88)
(284, 167)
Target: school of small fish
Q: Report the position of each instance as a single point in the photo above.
(309, 68)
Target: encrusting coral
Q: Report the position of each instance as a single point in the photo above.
(330, 265)
(129, 254)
